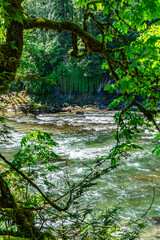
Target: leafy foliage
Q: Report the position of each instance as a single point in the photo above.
(36, 155)
(127, 35)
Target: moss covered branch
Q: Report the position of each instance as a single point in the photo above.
(93, 44)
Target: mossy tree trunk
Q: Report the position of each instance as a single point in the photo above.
(24, 219)
(11, 50)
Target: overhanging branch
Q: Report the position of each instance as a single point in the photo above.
(93, 44)
(24, 176)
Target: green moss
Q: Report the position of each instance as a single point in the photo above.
(12, 238)
(19, 238)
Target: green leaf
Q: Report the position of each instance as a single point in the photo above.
(125, 86)
(110, 88)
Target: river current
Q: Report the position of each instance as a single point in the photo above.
(83, 138)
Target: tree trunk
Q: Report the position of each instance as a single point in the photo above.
(24, 219)
(11, 50)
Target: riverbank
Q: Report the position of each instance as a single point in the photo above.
(21, 103)
(27, 107)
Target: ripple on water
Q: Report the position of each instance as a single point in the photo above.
(89, 121)
(131, 184)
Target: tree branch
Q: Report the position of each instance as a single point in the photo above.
(93, 44)
(35, 185)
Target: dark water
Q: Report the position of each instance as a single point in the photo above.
(83, 138)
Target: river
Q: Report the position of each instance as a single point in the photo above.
(83, 138)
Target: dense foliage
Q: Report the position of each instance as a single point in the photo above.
(133, 61)
(46, 65)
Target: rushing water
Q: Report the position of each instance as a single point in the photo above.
(83, 138)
